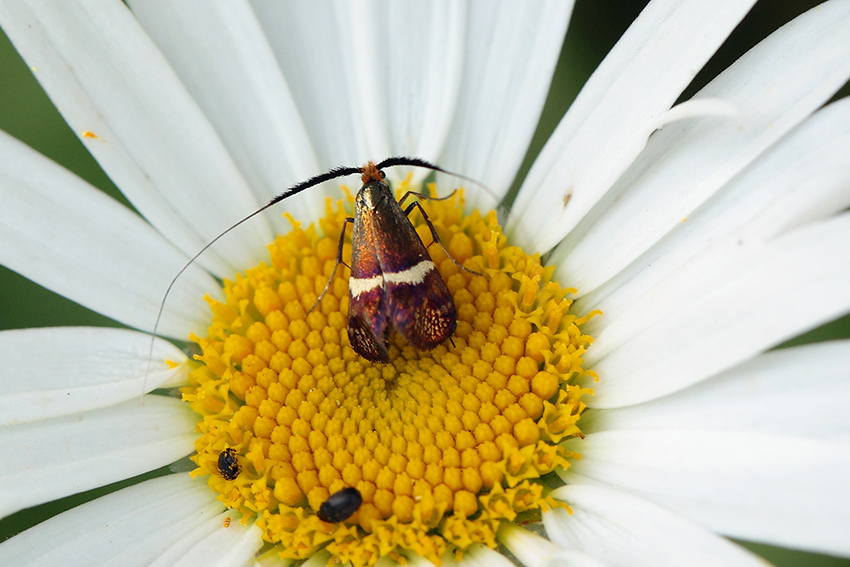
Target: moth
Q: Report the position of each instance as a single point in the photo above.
(394, 284)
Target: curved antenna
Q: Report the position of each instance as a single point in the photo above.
(419, 162)
(329, 175)
(297, 188)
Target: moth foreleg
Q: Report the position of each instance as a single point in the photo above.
(431, 226)
(338, 262)
(424, 196)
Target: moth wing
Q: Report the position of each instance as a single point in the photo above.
(367, 317)
(421, 309)
(418, 301)
(361, 335)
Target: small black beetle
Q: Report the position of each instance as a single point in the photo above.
(228, 466)
(340, 505)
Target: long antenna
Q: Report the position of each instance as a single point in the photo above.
(329, 175)
(419, 162)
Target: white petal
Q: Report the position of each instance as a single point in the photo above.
(306, 37)
(271, 558)
(131, 527)
(722, 323)
(609, 122)
(416, 560)
(621, 529)
(64, 370)
(71, 238)
(774, 87)
(107, 78)
(214, 545)
(793, 391)
(697, 108)
(478, 555)
(221, 55)
(510, 54)
(802, 178)
(407, 59)
(369, 101)
(535, 551)
(51, 458)
(783, 490)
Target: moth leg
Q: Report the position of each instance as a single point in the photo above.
(424, 196)
(433, 230)
(338, 262)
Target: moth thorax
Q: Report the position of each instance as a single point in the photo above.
(373, 194)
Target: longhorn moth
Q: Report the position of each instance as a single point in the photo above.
(393, 284)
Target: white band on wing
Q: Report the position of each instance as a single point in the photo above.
(414, 275)
(356, 286)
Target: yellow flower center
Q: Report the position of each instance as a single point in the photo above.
(442, 445)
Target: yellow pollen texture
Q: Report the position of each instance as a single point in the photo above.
(443, 445)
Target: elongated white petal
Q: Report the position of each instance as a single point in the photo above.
(794, 391)
(784, 490)
(131, 527)
(71, 238)
(408, 58)
(509, 56)
(726, 316)
(370, 101)
(610, 121)
(622, 529)
(118, 94)
(306, 37)
(214, 545)
(802, 178)
(57, 457)
(535, 551)
(64, 370)
(221, 55)
(774, 87)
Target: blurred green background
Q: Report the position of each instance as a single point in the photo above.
(27, 114)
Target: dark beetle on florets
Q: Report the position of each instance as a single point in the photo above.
(228, 466)
(340, 505)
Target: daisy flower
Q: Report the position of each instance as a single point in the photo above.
(609, 396)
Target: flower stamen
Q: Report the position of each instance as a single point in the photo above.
(443, 446)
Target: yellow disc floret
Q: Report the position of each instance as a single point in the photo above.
(443, 445)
